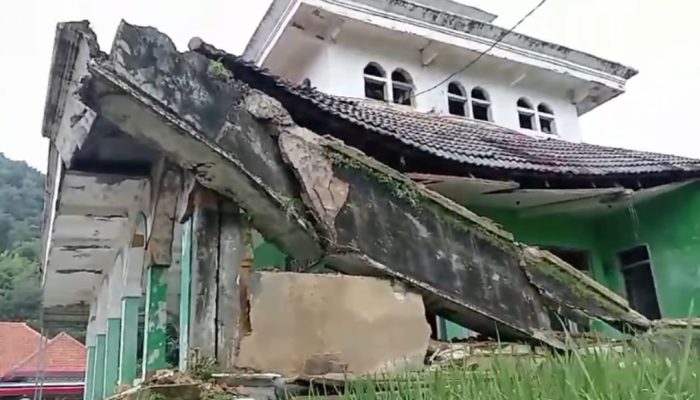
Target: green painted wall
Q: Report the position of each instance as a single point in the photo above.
(670, 226)
(565, 231)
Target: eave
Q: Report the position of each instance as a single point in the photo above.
(600, 80)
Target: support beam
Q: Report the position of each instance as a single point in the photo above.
(233, 250)
(185, 298)
(163, 214)
(89, 370)
(100, 327)
(429, 53)
(128, 347)
(98, 385)
(154, 341)
(115, 286)
(204, 271)
(111, 360)
(91, 344)
(130, 302)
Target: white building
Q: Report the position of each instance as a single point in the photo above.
(403, 50)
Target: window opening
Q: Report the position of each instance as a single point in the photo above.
(456, 99)
(526, 115)
(401, 87)
(546, 118)
(481, 105)
(375, 82)
(635, 265)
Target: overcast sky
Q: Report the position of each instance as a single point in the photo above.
(660, 38)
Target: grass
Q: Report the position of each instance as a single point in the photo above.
(633, 376)
(641, 372)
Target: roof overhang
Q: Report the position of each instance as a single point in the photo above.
(508, 195)
(92, 217)
(591, 80)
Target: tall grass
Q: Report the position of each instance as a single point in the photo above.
(641, 372)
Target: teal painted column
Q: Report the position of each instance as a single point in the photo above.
(111, 367)
(98, 373)
(154, 340)
(185, 285)
(89, 373)
(128, 345)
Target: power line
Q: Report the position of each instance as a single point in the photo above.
(508, 32)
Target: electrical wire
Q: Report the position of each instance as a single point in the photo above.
(494, 44)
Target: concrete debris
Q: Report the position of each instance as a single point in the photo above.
(332, 324)
(676, 323)
(476, 353)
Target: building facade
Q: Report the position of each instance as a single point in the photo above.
(414, 53)
(161, 203)
(409, 48)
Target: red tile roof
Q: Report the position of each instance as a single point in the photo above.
(17, 342)
(62, 355)
(20, 352)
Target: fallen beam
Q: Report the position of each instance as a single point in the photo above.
(317, 198)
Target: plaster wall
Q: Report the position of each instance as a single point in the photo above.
(336, 68)
(670, 226)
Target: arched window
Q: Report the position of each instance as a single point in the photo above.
(375, 82)
(401, 87)
(526, 114)
(481, 105)
(456, 99)
(545, 117)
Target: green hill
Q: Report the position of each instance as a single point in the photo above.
(21, 206)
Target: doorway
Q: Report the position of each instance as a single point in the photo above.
(635, 266)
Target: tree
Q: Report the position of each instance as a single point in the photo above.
(21, 206)
(21, 203)
(20, 288)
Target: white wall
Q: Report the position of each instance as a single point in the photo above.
(336, 68)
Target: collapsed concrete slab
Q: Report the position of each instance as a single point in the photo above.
(316, 324)
(317, 198)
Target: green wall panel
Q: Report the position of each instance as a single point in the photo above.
(670, 226)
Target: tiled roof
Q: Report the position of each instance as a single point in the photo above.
(61, 355)
(488, 145)
(466, 141)
(17, 342)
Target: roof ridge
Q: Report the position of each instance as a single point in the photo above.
(51, 342)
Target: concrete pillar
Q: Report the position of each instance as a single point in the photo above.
(98, 381)
(115, 288)
(100, 343)
(185, 282)
(154, 340)
(90, 342)
(131, 301)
